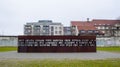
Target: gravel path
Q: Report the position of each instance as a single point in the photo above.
(86, 56)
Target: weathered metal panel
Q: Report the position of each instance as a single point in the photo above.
(56, 43)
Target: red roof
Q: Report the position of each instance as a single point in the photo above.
(81, 23)
(94, 22)
(105, 22)
(86, 28)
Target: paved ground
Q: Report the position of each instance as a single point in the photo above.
(86, 56)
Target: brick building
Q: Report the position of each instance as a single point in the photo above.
(96, 26)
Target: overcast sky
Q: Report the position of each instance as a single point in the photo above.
(15, 13)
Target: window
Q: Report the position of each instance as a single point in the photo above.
(118, 28)
(82, 31)
(95, 24)
(28, 31)
(60, 28)
(37, 27)
(52, 28)
(45, 29)
(46, 26)
(27, 26)
(55, 32)
(106, 27)
(55, 27)
(116, 25)
(103, 31)
(90, 31)
(73, 27)
(103, 24)
(114, 28)
(60, 32)
(98, 27)
(103, 27)
(96, 31)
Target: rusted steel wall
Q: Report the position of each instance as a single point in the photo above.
(56, 43)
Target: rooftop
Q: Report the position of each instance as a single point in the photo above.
(94, 22)
(44, 22)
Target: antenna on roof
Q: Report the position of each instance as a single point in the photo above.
(87, 19)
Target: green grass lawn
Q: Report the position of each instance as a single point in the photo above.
(7, 48)
(60, 63)
(110, 49)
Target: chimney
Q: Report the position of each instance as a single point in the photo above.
(87, 19)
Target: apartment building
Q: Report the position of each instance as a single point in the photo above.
(84, 28)
(97, 26)
(43, 27)
(108, 27)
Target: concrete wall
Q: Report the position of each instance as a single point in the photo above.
(8, 41)
(100, 41)
(108, 41)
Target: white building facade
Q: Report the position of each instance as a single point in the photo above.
(43, 27)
